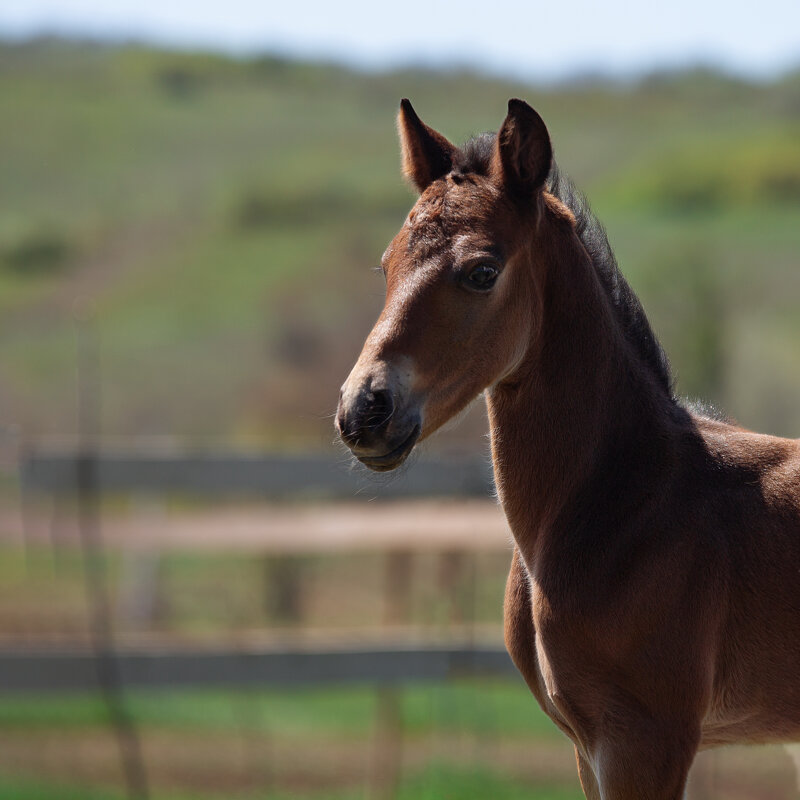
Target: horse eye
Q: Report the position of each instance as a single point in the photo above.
(482, 277)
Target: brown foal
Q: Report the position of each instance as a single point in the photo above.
(653, 604)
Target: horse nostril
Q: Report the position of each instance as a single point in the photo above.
(364, 423)
(379, 409)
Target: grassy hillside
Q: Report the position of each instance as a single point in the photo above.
(217, 221)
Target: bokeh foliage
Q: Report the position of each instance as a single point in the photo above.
(218, 219)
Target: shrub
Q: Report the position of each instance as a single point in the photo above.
(35, 251)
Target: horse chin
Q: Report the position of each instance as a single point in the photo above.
(394, 458)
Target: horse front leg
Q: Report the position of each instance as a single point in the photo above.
(520, 632)
(588, 781)
(642, 761)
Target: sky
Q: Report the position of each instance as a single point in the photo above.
(530, 40)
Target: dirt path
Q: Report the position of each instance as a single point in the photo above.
(415, 525)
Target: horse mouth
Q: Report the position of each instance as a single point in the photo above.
(394, 458)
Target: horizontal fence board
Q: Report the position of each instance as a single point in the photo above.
(65, 668)
(270, 476)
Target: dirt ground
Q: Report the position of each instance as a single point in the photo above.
(223, 761)
(320, 527)
(247, 762)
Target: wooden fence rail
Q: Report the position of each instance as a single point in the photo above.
(268, 476)
(71, 668)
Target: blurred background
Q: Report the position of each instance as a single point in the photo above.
(199, 597)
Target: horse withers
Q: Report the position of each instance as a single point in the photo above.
(653, 603)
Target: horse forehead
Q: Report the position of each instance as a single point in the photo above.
(448, 215)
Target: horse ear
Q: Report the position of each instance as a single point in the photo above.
(427, 155)
(524, 155)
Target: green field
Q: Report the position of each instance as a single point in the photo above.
(212, 225)
(244, 744)
(217, 220)
(476, 708)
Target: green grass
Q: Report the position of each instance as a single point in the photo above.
(434, 783)
(481, 708)
(451, 784)
(481, 711)
(12, 788)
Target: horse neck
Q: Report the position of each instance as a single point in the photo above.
(580, 396)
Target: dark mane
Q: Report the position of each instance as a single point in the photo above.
(629, 311)
(475, 157)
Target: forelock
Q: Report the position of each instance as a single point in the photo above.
(475, 157)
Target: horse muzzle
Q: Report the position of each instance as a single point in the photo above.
(378, 427)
